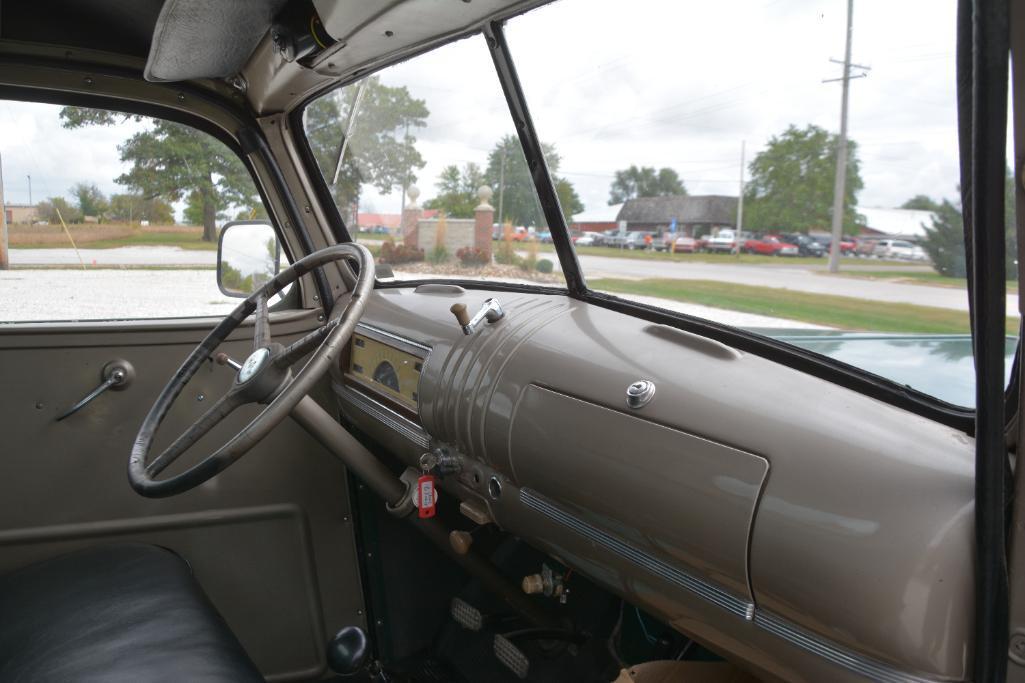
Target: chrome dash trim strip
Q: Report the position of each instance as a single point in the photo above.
(405, 427)
(860, 664)
(385, 336)
(703, 589)
(776, 625)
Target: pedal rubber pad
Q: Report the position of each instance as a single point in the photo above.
(466, 615)
(511, 656)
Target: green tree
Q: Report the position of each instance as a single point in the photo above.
(132, 208)
(196, 208)
(944, 239)
(381, 151)
(791, 186)
(53, 209)
(645, 181)
(91, 201)
(920, 202)
(171, 160)
(457, 191)
(514, 189)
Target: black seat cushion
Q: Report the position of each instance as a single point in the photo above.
(125, 612)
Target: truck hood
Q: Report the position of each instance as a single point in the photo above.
(938, 365)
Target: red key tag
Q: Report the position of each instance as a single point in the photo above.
(426, 495)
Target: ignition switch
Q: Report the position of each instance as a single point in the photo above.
(547, 583)
(440, 462)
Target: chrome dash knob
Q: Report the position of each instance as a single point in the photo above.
(640, 393)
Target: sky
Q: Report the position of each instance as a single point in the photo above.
(675, 83)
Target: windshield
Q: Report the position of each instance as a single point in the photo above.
(724, 115)
(425, 167)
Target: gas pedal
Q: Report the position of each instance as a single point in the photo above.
(466, 615)
(511, 656)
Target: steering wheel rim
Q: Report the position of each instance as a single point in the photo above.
(271, 368)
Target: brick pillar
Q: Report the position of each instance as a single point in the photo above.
(411, 218)
(484, 218)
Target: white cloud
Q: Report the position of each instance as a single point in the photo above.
(649, 82)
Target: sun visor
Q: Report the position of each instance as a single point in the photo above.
(202, 39)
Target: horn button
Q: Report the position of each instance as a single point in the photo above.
(259, 377)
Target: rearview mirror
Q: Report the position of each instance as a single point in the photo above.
(248, 255)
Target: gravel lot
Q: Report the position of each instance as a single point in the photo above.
(35, 295)
(103, 294)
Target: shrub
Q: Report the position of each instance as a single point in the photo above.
(472, 256)
(439, 254)
(402, 253)
(545, 266)
(506, 254)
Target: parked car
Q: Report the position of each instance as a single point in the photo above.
(894, 249)
(638, 240)
(770, 245)
(588, 239)
(806, 246)
(680, 244)
(544, 237)
(848, 246)
(865, 248)
(918, 254)
(723, 241)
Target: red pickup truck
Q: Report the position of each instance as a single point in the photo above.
(770, 245)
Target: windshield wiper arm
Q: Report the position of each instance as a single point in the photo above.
(346, 136)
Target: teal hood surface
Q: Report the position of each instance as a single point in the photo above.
(938, 365)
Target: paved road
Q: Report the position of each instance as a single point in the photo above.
(783, 277)
(799, 277)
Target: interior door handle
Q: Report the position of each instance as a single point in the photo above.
(116, 374)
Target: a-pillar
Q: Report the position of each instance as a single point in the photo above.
(484, 218)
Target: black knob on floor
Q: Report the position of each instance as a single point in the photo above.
(348, 651)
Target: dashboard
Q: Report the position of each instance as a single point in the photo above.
(672, 504)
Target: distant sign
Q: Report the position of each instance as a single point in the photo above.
(672, 225)
(622, 227)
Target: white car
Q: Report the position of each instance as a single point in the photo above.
(585, 240)
(724, 240)
(894, 249)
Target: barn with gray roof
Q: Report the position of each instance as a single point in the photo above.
(695, 215)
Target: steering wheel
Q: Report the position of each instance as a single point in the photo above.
(264, 377)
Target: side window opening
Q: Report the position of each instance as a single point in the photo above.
(115, 216)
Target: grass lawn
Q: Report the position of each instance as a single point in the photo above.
(919, 278)
(843, 312)
(758, 259)
(184, 240)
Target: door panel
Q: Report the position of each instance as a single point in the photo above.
(269, 538)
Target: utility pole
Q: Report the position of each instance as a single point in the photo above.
(740, 199)
(501, 189)
(5, 261)
(840, 183)
(29, 190)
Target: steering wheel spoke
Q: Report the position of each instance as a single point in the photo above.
(262, 378)
(214, 415)
(261, 328)
(301, 347)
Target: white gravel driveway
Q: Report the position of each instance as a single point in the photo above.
(103, 294)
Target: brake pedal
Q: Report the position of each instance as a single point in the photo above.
(511, 656)
(466, 615)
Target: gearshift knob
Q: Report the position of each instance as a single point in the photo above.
(348, 651)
